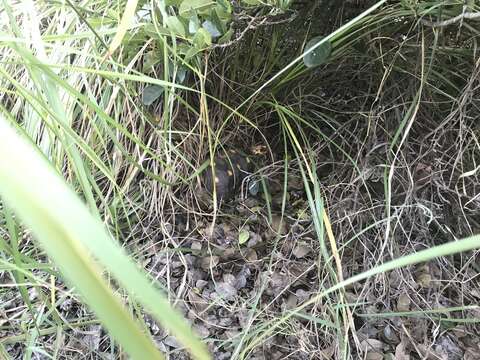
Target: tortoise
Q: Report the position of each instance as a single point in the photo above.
(230, 170)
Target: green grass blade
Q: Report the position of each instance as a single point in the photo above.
(69, 234)
(42, 211)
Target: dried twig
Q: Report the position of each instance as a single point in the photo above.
(467, 15)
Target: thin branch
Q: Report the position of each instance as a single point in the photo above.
(467, 15)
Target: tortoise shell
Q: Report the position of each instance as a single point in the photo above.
(230, 169)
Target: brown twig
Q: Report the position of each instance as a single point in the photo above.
(467, 15)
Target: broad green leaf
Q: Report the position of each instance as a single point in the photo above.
(192, 6)
(175, 25)
(226, 37)
(184, 47)
(211, 28)
(151, 93)
(181, 75)
(222, 13)
(202, 38)
(101, 21)
(193, 24)
(220, 24)
(243, 237)
(191, 52)
(150, 60)
(319, 55)
(225, 5)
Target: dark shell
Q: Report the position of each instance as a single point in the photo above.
(230, 170)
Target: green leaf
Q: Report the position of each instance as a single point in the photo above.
(221, 25)
(98, 22)
(319, 55)
(211, 28)
(150, 60)
(243, 237)
(202, 39)
(183, 48)
(193, 24)
(175, 25)
(223, 14)
(181, 75)
(127, 20)
(151, 93)
(225, 5)
(191, 6)
(226, 37)
(252, 2)
(191, 52)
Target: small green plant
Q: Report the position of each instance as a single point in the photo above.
(191, 27)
